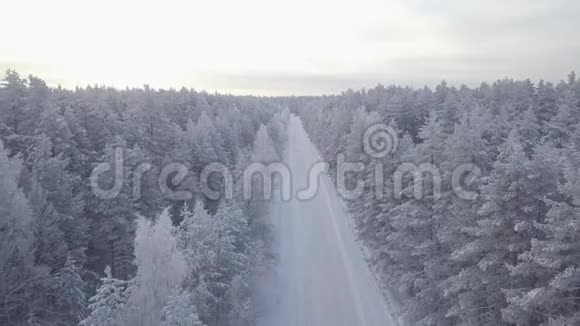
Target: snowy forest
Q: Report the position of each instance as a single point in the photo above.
(68, 257)
(510, 256)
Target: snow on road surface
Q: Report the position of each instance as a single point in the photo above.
(322, 278)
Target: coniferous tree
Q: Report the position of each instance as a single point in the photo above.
(109, 305)
(180, 311)
(161, 268)
(17, 269)
(70, 291)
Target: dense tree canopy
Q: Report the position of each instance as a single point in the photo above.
(69, 255)
(505, 257)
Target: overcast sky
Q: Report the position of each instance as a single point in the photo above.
(272, 47)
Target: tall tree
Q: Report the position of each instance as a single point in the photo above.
(109, 305)
(161, 268)
(17, 270)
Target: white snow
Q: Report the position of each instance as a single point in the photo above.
(322, 278)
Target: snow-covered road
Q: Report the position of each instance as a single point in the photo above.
(322, 278)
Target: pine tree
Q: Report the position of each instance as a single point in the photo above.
(70, 291)
(208, 148)
(109, 305)
(113, 226)
(38, 100)
(432, 136)
(231, 246)
(208, 143)
(193, 235)
(528, 130)
(50, 248)
(13, 93)
(503, 232)
(421, 217)
(560, 128)
(387, 252)
(263, 149)
(180, 311)
(161, 268)
(257, 206)
(545, 102)
(465, 146)
(61, 188)
(446, 109)
(229, 126)
(549, 267)
(54, 125)
(16, 243)
(354, 139)
(152, 129)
